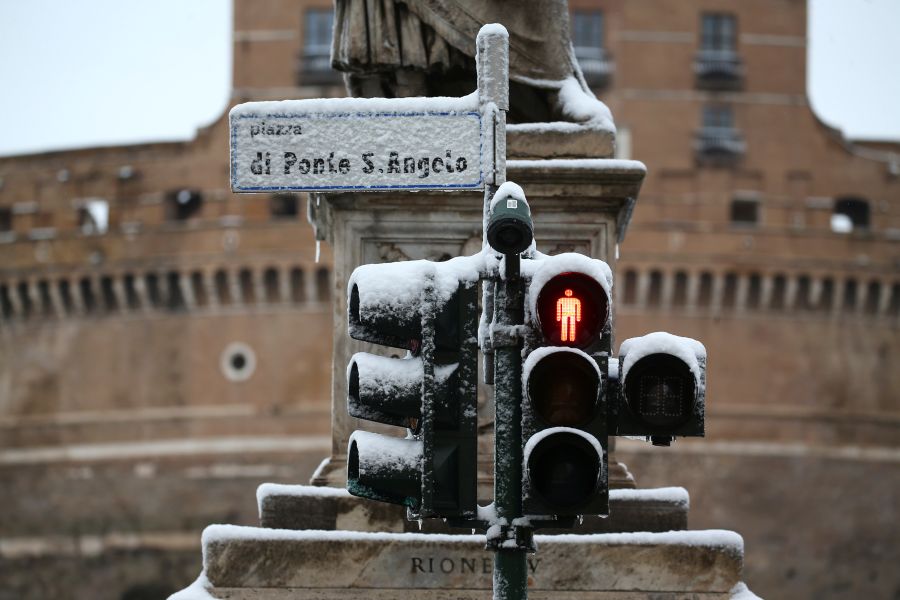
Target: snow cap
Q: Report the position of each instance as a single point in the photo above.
(688, 350)
(549, 267)
(507, 190)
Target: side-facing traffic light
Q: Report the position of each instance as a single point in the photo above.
(430, 310)
(661, 387)
(564, 406)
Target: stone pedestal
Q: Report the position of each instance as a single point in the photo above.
(243, 563)
(320, 543)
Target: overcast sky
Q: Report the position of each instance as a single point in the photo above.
(96, 72)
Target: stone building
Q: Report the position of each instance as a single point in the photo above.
(165, 344)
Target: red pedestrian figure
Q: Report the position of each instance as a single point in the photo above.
(568, 312)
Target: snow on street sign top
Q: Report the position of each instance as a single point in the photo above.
(357, 144)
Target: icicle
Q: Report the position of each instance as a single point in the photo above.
(581, 519)
(318, 250)
(420, 524)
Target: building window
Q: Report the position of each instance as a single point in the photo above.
(744, 212)
(588, 42)
(850, 214)
(754, 291)
(718, 117)
(283, 206)
(93, 216)
(183, 204)
(323, 284)
(316, 59)
(654, 288)
(803, 297)
(717, 32)
(629, 295)
(729, 292)
(717, 64)
(5, 219)
(680, 291)
(718, 140)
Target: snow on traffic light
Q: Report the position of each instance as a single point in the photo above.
(661, 387)
(430, 310)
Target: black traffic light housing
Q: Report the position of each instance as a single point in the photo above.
(564, 403)
(422, 307)
(660, 388)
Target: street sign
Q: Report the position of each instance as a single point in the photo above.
(356, 144)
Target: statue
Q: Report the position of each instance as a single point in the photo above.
(388, 48)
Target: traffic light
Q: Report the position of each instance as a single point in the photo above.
(430, 310)
(564, 410)
(661, 388)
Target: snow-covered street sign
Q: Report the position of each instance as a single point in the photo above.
(363, 144)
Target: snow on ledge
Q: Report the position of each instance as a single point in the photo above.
(196, 591)
(587, 164)
(279, 489)
(675, 495)
(466, 103)
(716, 538)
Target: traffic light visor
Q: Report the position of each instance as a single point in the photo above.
(563, 386)
(564, 466)
(384, 468)
(661, 391)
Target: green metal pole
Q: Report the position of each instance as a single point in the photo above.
(510, 569)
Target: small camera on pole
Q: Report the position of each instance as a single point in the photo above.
(510, 229)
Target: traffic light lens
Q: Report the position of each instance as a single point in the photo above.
(564, 469)
(572, 310)
(661, 391)
(563, 389)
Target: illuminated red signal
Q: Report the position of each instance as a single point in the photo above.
(568, 312)
(572, 310)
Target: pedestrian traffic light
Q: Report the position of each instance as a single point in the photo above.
(564, 409)
(661, 388)
(430, 310)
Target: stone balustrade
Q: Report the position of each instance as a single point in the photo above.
(141, 291)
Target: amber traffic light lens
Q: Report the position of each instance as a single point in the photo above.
(661, 391)
(564, 469)
(563, 389)
(572, 310)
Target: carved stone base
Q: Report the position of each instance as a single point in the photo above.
(241, 563)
